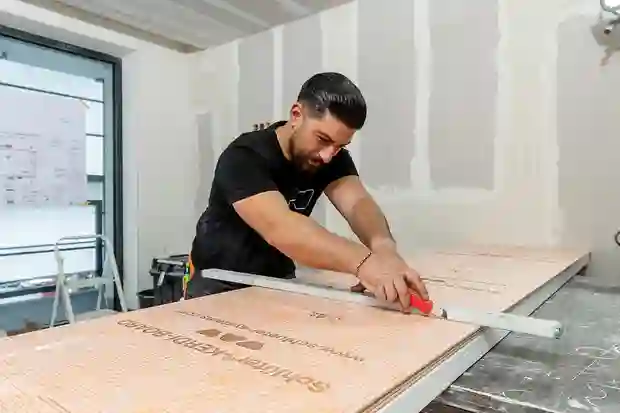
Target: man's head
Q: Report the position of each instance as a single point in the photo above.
(328, 111)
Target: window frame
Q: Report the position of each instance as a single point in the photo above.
(114, 175)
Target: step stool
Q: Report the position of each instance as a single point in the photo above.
(64, 286)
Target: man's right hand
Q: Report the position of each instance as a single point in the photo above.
(388, 277)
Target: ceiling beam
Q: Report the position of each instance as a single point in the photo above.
(110, 24)
(223, 5)
(294, 8)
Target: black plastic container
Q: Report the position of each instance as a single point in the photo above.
(146, 298)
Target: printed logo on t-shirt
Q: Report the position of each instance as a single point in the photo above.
(301, 200)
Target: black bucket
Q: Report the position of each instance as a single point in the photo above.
(146, 298)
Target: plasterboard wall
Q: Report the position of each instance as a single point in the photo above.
(547, 170)
(159, 137)
(466, 140)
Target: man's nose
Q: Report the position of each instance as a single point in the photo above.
(327, 154)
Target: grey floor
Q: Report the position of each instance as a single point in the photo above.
(440, 408)
(15, 316)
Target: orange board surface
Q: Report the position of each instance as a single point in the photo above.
(258, 350)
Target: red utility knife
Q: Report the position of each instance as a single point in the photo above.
(424, 306)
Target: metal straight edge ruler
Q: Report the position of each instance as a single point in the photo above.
(501, 321)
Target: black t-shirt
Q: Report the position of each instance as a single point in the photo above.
(251, 164)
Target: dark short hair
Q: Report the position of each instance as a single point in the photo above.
(334, 92)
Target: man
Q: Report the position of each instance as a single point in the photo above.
(268, 181)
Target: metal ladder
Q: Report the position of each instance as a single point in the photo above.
(65, 286)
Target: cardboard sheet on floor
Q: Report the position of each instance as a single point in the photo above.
(257, 350)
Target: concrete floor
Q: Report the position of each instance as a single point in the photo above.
(439, 408)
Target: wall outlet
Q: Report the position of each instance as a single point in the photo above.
(261, 126)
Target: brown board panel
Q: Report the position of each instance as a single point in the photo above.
(258, 350)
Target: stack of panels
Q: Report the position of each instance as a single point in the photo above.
(258, 350)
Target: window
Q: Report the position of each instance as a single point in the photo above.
(43, 67)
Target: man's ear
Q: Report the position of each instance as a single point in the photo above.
(296, 114)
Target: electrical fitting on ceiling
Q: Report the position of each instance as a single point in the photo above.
(606, 31)
(613, 7)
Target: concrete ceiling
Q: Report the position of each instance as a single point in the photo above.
(188, 25)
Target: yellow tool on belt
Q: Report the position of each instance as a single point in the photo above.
(189, 273)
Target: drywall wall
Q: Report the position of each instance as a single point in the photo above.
(394, 66)
(386, 75)
(160, 144)
(159, 137)
(589, 148)
(466, 140)
(464, 38)
(483, 83)
(256, 79)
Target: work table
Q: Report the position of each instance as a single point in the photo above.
(272, 347)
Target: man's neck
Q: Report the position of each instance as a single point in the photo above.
(284, 134)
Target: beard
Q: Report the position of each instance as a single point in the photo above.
(306, 163)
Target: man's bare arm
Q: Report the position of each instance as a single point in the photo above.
(370, 225)
(361, 211)
(298, 236)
